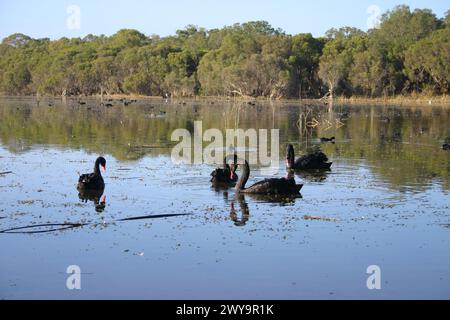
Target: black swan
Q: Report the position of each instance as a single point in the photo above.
(225, 175)
(315, 160)
(270, 186)
(93, 181)
(325, 139)
(90, 195)
(446, 145)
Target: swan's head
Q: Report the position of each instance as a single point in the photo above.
(102, 162)
(290, 156)
(233, 166)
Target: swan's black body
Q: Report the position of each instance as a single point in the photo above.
(93, 181)
(226, 175)
(315, 160)
(272, 186)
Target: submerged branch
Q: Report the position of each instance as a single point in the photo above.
(155, 216)
(62, 226)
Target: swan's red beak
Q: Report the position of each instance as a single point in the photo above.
(104, 168)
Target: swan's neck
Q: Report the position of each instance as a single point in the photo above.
(240, 185)
(97, 168)
(290, 158)
(225, 165)
(225, 161)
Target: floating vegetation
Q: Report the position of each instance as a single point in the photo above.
(306, 217)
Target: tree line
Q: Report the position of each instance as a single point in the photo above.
(408, 52)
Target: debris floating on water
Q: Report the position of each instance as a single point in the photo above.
(306, 217)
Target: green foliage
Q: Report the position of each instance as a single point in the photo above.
(446, 20)
(373, 64)
(408, 52)
(368, 73)
(338, 55)
(427, 61)
(400, 29)
(304, 63)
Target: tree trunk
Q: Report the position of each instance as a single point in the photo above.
(300, 90)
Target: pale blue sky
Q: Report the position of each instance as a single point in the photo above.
(48, 18)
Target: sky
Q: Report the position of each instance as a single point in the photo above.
(76, 18)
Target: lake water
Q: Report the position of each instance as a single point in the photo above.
(385, 203)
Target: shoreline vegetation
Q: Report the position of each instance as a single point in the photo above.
(252, 60)
(419, 100)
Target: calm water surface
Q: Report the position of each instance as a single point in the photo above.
(387, 197)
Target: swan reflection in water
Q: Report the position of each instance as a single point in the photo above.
(245, 213)
(315, 175)
(94, 196)
(240, 219)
